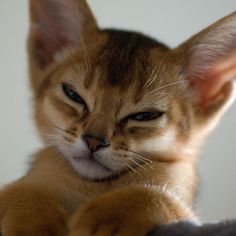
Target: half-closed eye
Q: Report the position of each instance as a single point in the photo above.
(72, 94)
(146, 116)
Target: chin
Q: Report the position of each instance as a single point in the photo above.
(92, 170)
(98, 167)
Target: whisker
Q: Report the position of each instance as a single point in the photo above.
(167, 85)
(148, 164)
(52, 142)
(144, 160)
(65, 135)
(58, 128)
(131, 173)
(49, 135)
(139, 155)
(154, 76)
(86, 55)
(138, 164)
(151, 79)
(131, 168)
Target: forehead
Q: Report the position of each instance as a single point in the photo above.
(123, 62)
(125, 57)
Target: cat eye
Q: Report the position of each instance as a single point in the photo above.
(70, 93)
(146, 116)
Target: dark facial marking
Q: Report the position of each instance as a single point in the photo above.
(124, 54)
(68, 139)
(62, 106)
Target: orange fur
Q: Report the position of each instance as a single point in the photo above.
(146, 174)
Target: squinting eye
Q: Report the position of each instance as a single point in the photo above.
(146, 116)
(70, 93)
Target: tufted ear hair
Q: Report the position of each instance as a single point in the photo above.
(57, 25)
(209, 63)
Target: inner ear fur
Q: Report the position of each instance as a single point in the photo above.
(209, 64)
(56, 26)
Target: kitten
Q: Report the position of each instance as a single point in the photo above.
(123, 118)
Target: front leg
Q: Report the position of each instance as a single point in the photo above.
(32, 210)
(129, 211)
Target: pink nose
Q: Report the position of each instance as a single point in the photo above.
(94, 142)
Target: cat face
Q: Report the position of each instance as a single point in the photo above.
(114, 101)
(105, 123)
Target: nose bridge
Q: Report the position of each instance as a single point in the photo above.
(102, 118)
(99, 125)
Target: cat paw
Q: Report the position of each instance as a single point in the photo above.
(92, 220)
(133, 210)
(112, 214)
(18, 222)
(29, 211)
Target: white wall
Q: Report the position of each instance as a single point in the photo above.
(171, 22)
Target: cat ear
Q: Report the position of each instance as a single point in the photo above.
(57, 25)
(210, 63)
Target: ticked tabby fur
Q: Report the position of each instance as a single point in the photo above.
(122, 117)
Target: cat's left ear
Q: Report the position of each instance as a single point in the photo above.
(56, 25)
(209, 63)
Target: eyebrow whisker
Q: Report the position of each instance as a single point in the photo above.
(167, 85)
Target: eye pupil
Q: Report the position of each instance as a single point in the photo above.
(70, 93)
(143, 116)
(146, 116)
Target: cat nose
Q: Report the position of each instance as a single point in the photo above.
(95, 142)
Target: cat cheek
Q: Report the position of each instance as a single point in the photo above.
(73, 149)
(52, 114)
(162, 143)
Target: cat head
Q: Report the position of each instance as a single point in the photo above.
(111, 101)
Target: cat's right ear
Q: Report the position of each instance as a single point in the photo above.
(209, 65)
(57, 25)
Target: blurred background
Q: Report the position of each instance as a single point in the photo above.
(171, 22)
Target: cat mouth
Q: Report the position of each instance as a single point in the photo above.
(91, 163)
(93, 169)
(90, 160)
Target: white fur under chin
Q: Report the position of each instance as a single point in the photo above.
(90, 170)
(78, 155)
